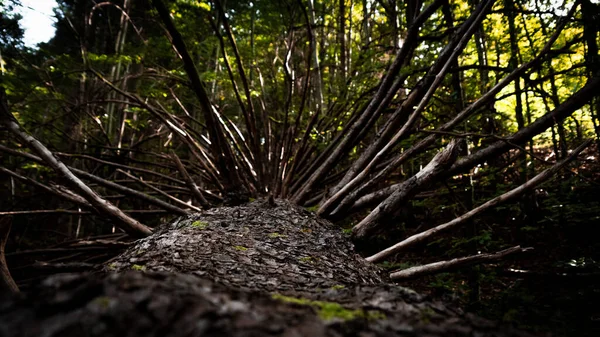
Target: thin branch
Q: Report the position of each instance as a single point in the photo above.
(425, 143)
(220, 148)
(567, 108)
(389, 137)
(108, 184)
(125, 167)
(443, 266)
(108, 3)
(190, 182)
(510, 195)
(161, 192)
(103, 206)
(383, 96)
(6, 281)
(434, 169)
(65, 211)
(61, 193)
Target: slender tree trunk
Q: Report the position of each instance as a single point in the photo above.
(219, 146)
(591, 26)
(408, 113)
(342, 40)
(381, 98)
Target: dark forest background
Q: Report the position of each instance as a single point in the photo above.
(388, 118)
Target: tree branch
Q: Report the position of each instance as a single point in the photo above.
(103, 206)
(512, 194)
(442, 266)
(6, 281)
(436, 166)
(190, 182)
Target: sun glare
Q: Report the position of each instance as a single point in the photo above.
(37, 22)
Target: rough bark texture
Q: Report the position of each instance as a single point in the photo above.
(408, 188)
(169, 304)
(255, 246)
(254, 270)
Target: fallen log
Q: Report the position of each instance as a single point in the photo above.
(262, 269)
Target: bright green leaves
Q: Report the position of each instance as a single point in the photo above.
(104, 59)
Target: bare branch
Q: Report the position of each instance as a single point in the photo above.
(96, 179)
(381, 99)
(436, 167)
(124, 221)
(512, 194)
(568, 107)
(161, 192)
(6, 280)
(442, 266)
(190, 182)
(61, 193)
(425, 143)
(220, 149)
(420, 97)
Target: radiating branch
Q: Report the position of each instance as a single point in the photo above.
(510, 195)
(124, 221)
(444, 266)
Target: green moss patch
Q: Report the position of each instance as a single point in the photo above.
(102, 301)
(138, 267)
(426, 315)
(199, 224)
(331, 310)
(313, 209)
(306, 259)
(277, 235)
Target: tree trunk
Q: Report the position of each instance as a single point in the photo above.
(254, 270)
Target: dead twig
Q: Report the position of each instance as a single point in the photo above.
(512, 194)
(6, 281)
(161, 192)
(442, 266)
(190, 182)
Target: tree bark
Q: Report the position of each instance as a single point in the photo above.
(410, 187)
(262, 269)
